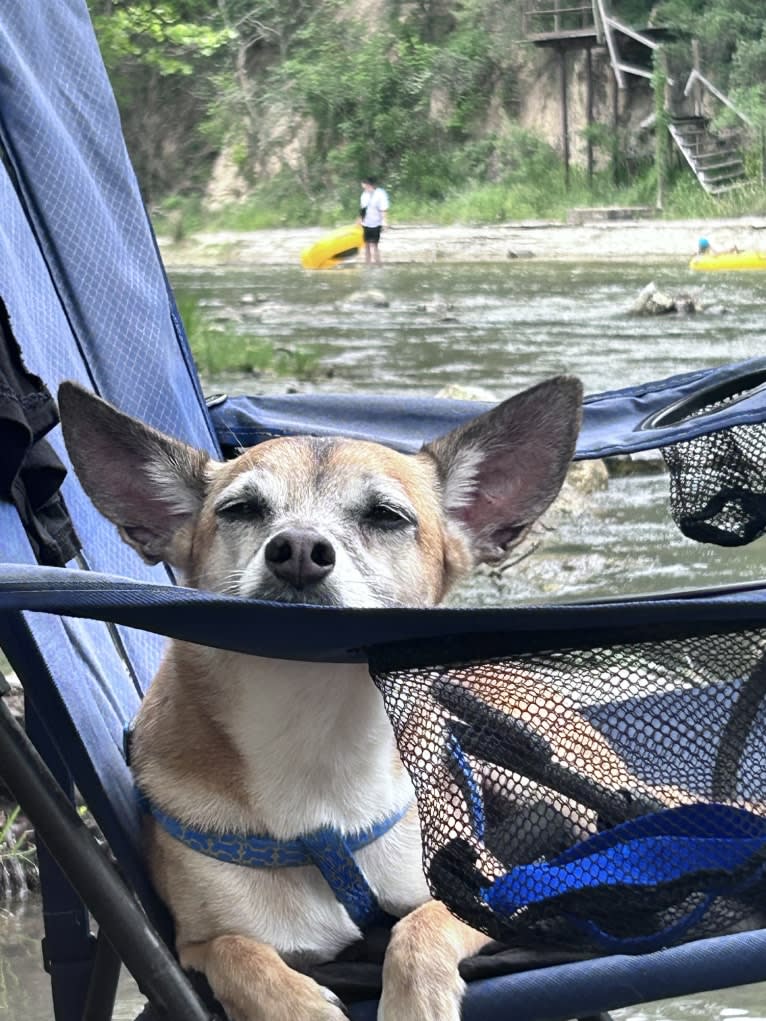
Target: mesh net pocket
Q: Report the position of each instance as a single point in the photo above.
(718, 485)
(610, 799)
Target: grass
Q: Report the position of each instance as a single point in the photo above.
(686, 200)
(218, 348)
(534, 190)
(19, 848)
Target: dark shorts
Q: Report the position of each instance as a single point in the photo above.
(371, 234)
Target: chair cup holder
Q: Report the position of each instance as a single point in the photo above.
(717, 480)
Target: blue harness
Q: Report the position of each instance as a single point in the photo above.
(332, 853)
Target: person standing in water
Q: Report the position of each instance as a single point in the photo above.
(373, 216)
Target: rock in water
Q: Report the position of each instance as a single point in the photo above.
(373, 297)
(653, 302)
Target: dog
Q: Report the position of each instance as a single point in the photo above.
(228, 743)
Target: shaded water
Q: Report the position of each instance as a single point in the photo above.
(501, 327)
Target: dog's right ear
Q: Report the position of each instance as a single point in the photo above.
(149, 485)
(502, 470)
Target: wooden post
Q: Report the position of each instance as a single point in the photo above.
(615, 127)
(660, 85)
(696, 97)
(589, 114)
(564, 113)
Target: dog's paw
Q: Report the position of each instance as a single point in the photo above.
(421, 981)
(306, 1002)
(309, 1002)
(334, 1002)
(252, 982)
(422, 998)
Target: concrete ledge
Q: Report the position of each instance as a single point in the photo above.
(589, 214)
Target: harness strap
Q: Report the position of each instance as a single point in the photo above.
(326, 848)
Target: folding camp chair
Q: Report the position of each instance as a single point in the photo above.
(84, 297)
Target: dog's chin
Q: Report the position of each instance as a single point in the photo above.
(313, 595)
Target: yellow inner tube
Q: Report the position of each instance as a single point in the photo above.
(729, 261)
(333, 248)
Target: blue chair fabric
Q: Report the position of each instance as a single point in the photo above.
(649, 416)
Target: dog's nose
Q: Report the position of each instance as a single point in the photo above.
(300, 556)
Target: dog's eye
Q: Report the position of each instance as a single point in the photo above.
(242, 510)
(386, 517)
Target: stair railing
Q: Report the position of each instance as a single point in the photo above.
(556, 15)
(696, 76)
(606, 26)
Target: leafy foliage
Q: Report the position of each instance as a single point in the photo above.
(156, 36)
(732, 38)
(160, 57)
(307, 97)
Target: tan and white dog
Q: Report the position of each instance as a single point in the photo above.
(233, 743)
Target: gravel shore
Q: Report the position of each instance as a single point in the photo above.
(595, 239)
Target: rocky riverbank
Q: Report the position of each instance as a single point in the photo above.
(596, 239)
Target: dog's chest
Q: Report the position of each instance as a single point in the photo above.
(317, 751)
(317, 747)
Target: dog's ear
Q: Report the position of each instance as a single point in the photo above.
(502, 470)
(148, 484)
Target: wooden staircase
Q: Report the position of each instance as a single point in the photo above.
(714, 157)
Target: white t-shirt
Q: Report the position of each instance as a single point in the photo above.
(375, 204)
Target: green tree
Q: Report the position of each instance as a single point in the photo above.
(730, 32)
(160, 57)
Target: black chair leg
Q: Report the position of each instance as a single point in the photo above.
(102, 990)
(68, 944)
(94, 877)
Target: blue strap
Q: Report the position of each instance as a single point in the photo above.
(330, 851)
(726, 857)
(464, 777)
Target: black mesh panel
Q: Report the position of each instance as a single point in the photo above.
(718, 485)
(551, 775)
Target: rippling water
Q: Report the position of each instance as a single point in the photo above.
(500, 327)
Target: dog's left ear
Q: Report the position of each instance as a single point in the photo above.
(502, 470)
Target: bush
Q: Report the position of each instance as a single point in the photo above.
(219, 349)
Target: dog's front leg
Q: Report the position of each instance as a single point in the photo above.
(421, 981)
(253, 983)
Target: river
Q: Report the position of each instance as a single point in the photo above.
(497, 325)
(501, 327)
